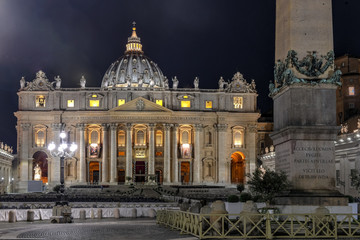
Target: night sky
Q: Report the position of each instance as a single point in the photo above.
(187, 39)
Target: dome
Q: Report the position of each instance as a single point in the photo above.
(134, 69)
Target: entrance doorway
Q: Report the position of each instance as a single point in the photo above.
(237, 167)
(40, 167)
(159, 176)
(121, 176)
(140, 171)
(185, 172)
(94, 172)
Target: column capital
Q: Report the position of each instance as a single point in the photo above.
(128, 126)
(80, 126)
(151, 126)
(221, 127)
(167, 126)
(104, 126)
(252, 128)
(56, 126)
(113, 126)
(25, 126)
(198, 127)
(175, 126)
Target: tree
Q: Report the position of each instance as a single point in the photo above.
(268, 184)
(355, 179)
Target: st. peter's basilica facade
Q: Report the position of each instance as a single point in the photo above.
(136, 128)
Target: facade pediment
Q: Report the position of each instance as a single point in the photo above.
(141, 104)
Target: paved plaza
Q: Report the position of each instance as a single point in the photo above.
(90, 229)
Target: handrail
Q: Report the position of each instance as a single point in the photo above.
(261, 226)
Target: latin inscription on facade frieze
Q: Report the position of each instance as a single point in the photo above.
(145, 118)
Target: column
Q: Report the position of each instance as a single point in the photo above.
(113, 153)
(197, 154)
(82, 174)
(104, 170)
(175, 148)
(151, 166)
(55, 166)
(223, 166)
(251, 133)
(128, 171)
(167, 177)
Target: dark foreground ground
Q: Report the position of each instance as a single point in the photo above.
(90, 229)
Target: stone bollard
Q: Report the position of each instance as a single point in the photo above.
(151, 213)
(217, 207)
(92, 215)
(249, 214)
(133, 213)
(82, 214)
(116, 213)
(184, 206)
(99, 213)
(322, 220)
(30, 215)
(205, 210)
(12, 216)
(195, 208)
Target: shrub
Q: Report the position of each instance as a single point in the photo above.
(268, 184)
(245, 197)
(233, 198)
(350, 198)
(56, 188)
(240, 187)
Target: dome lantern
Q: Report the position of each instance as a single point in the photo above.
(134, 44)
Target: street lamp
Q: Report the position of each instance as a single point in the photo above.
(64, 149)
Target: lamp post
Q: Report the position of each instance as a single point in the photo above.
(64, 149)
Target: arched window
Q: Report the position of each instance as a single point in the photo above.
(238, 137)
(121, 138)
(94, 136)
(40, 135)
(185, 137)
(140, 137)
(159, 138)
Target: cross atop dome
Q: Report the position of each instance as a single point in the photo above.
(134, 44)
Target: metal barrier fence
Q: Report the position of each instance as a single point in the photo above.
(262, 226)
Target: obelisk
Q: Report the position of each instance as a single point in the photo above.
(304, 94)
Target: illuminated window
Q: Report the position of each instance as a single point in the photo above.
(40, 137)
(121, 139)
(351, 91)
(121, 102)
(185, 104)
(208, 104)
(186, 97)
(185, 137)
(159, 102)
(159, 138)
(94, 103)
(94, 96)
(121, 153)
(238, 102)
(238, 137)
(40, 101)
(140, 138)
(70, 103)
